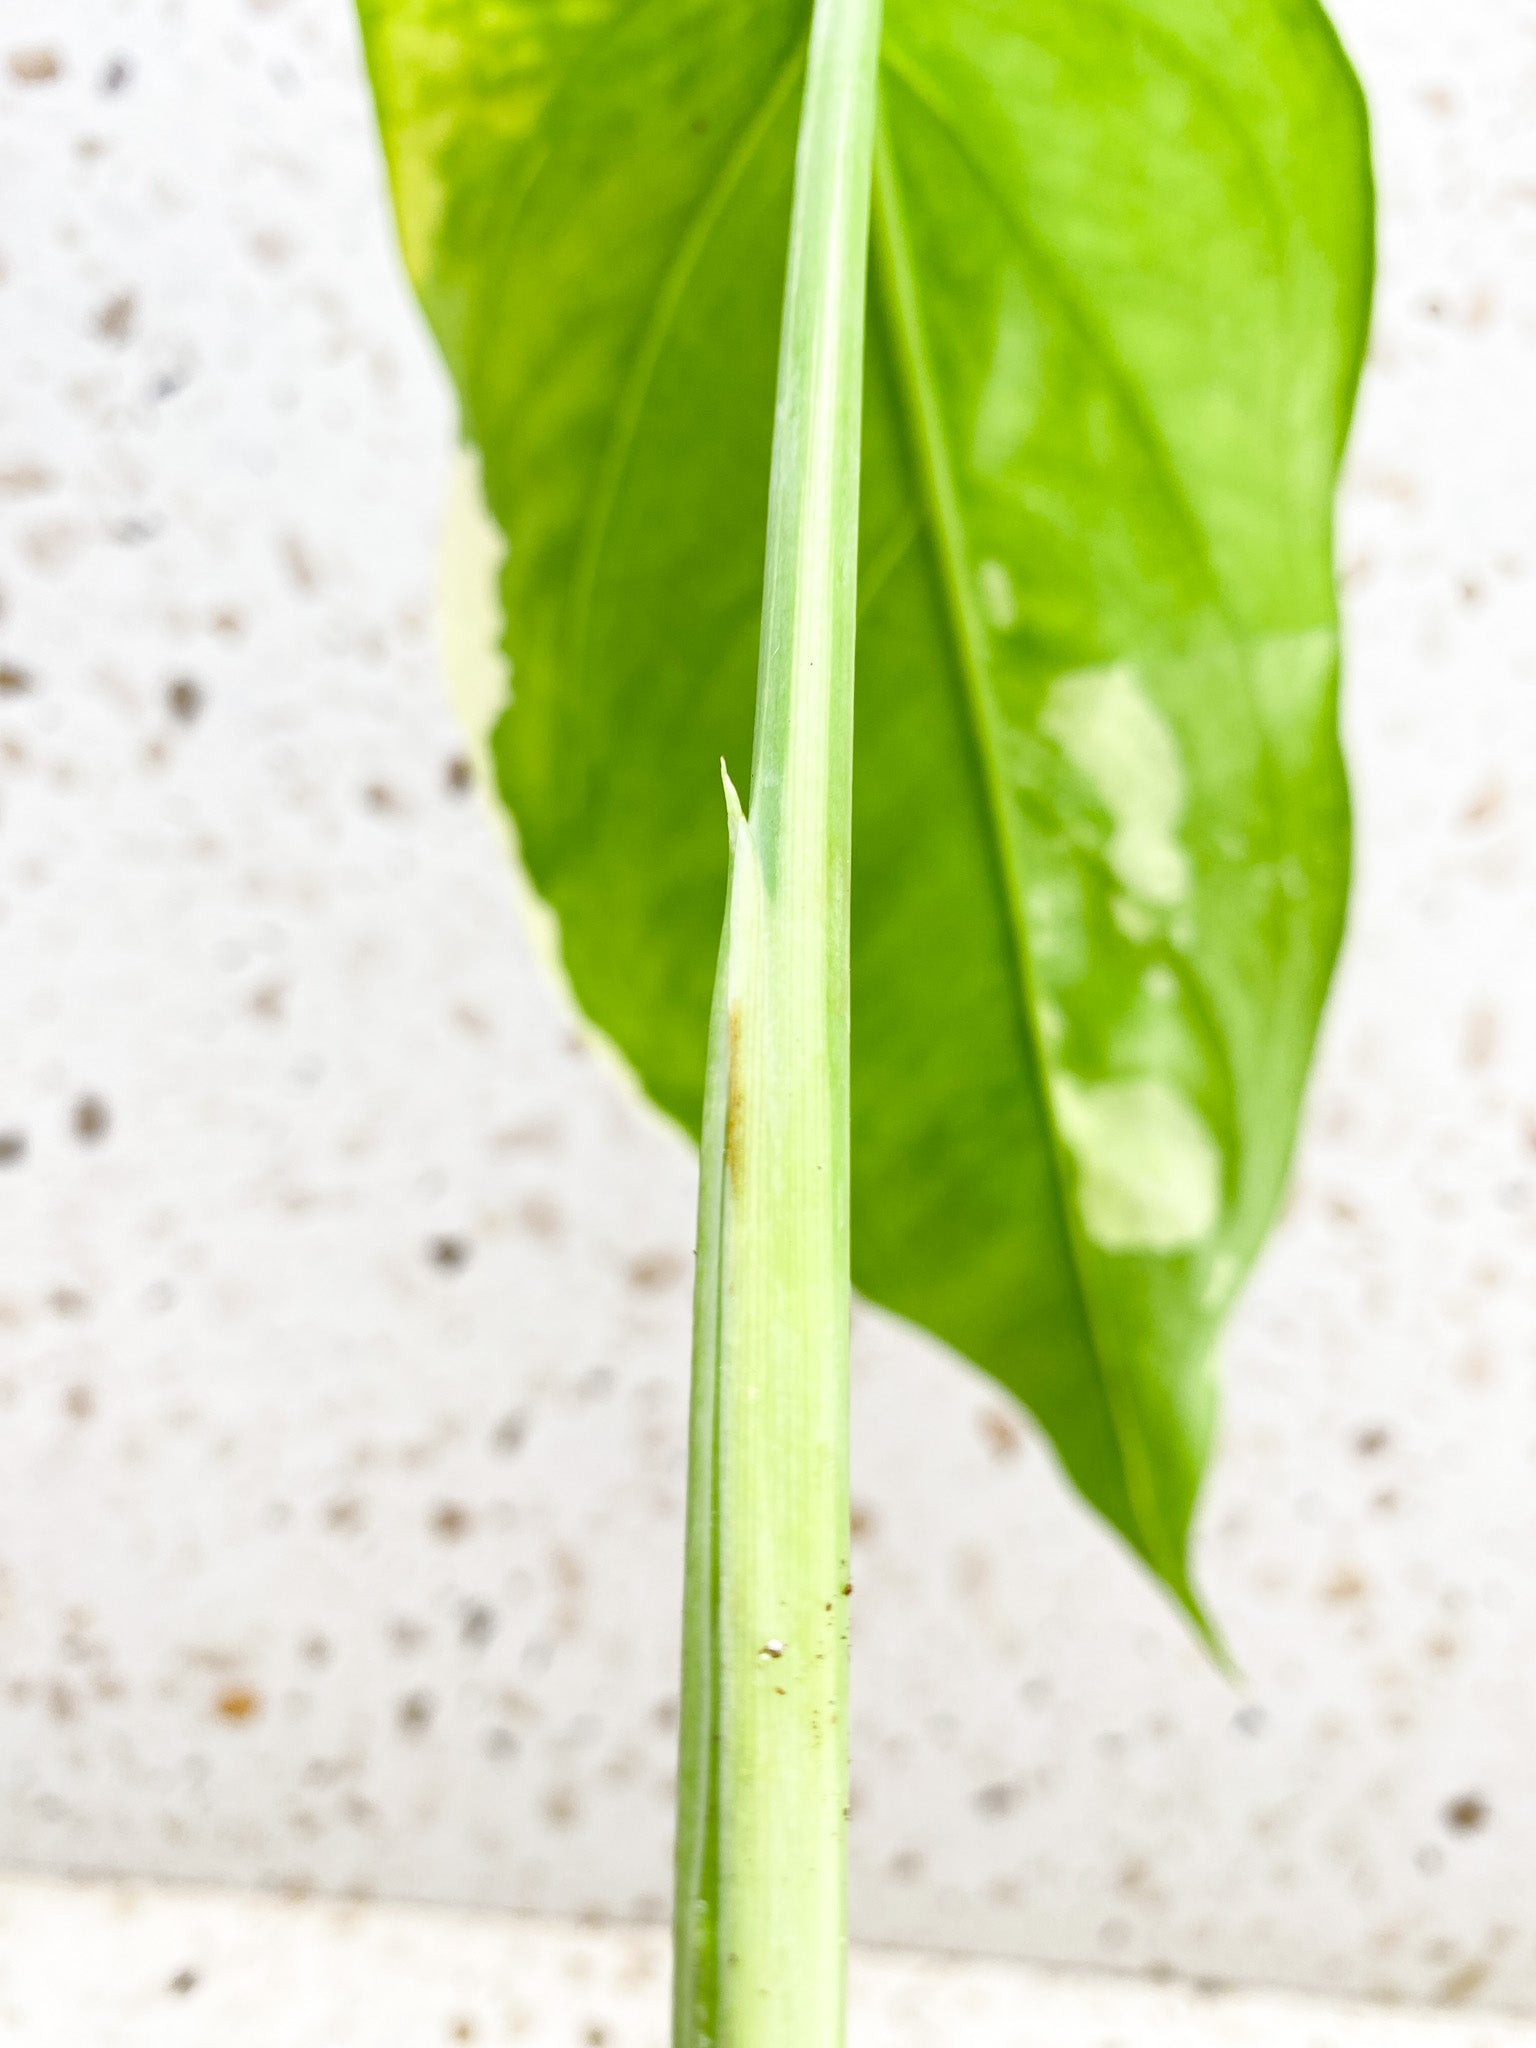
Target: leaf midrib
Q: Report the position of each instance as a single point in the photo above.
(896, 302)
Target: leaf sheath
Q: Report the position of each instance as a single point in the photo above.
(761, 1914)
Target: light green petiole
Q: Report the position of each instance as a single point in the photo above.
(761, 1863)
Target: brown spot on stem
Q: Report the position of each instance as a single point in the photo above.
(735, 1103)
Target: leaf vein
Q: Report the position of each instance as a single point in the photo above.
(1088, 329)
(925, 430)
(627, 414)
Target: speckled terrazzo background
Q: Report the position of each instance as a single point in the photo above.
(343, 1296)
(169, 1968)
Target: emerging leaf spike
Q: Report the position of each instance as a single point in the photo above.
(765, 1707)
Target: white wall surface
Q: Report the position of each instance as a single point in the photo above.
(343, 1295)
(134, 1966)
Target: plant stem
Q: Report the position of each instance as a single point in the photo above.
(761, 1914)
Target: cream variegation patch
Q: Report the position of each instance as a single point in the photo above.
(1148, 1169)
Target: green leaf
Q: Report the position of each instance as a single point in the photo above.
(1122, 254)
